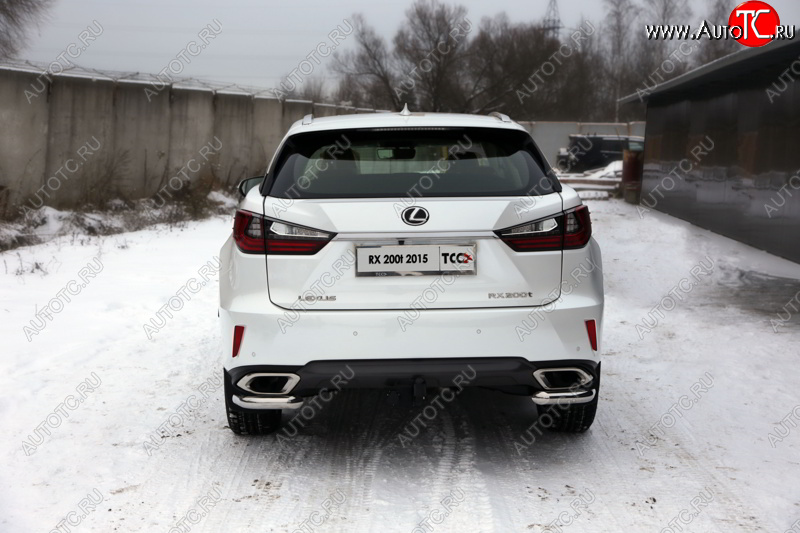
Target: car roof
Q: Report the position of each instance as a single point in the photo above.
(403, 119)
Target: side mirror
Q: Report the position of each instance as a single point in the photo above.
(246, 184)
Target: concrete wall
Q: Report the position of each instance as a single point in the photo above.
(81, 139)
(23, 148)
(77, 139)
(139, 147)
(191, 126)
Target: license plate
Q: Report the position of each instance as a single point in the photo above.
(415, 259)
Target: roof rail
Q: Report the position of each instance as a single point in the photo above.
(500, 116)
(308, 119)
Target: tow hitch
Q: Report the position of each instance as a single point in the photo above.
(409, 396)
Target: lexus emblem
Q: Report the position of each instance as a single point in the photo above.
(415, 216)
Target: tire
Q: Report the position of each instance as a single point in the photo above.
(250, 422)
(572, 418)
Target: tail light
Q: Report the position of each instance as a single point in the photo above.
(568, 230)
(578, 228)
(255, 234)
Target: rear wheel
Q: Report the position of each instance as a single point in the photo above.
(570, 418)
(250, 422)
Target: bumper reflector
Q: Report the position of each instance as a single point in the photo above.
(591, 329)
(238, 333)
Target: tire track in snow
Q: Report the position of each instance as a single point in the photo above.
(468, 477)
(725, 503)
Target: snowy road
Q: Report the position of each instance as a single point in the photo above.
(687, 407)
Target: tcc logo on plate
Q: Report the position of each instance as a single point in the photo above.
(415, 216)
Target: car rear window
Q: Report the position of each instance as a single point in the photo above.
(397, 162)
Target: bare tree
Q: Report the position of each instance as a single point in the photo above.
(368, 71)
(16, 16)
(439, 61)
(620, 16)
(500, 60)
(312, 89)
(430, 51)
(667, 11)
(718, 13)
(583, 94)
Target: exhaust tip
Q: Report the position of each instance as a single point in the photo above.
(268, 383)
(562, 378)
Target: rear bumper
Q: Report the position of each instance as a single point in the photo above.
(508, 374)
(273, 336)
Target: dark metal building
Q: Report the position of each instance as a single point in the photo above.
(722, 147)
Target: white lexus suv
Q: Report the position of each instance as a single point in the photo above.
(409, 252)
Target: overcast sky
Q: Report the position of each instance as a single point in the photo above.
(260, 41)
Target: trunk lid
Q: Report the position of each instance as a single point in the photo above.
(330, 279)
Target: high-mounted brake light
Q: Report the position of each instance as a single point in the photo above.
(255, 234)
(568, 230)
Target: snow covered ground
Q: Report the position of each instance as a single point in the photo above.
(688, 402)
